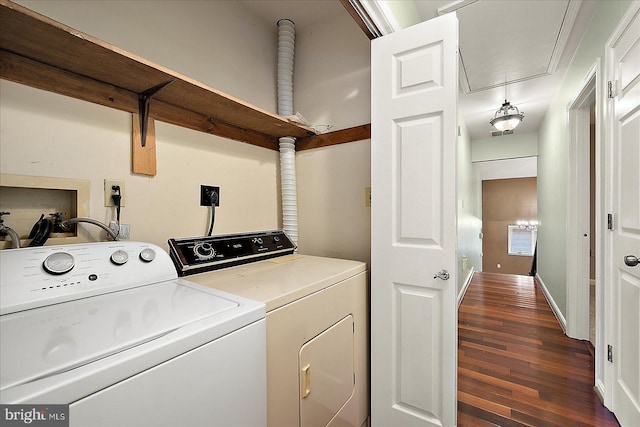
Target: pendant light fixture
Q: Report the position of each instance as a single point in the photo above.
(508, 116)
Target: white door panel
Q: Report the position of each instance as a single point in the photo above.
(414, 134)
(623, 62)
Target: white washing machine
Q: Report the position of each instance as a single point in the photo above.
(110, 330)
(317, 322)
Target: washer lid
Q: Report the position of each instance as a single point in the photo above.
(47, 341)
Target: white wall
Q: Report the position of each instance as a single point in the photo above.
(469, 209)
(553, 150)
(505, 147)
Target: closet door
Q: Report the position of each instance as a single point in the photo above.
(414, 131)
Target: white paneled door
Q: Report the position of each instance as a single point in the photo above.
(414, 79)
(624, 241)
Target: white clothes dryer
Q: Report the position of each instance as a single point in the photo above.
(317, 323)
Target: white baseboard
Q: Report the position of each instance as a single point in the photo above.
(466, 285)
(553, 305)
(599, 389)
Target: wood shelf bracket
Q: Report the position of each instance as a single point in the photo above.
(144, 99)
(143, 159)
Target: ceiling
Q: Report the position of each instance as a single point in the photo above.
(525, 44)
(303, 12)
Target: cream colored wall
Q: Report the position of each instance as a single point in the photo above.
(220, 44)
(215, 42)
(332, 86)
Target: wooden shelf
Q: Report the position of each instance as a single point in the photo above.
(40, 52)
(357, 133)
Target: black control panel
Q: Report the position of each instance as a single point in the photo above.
(198, 254)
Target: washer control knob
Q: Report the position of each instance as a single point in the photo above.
(119, 257)
(147, 255)
(59, 263)
(276, 239)
(204, 251)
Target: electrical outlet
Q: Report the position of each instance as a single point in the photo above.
(367, 197)
(123, 230)
(108, 192)
(206, 192)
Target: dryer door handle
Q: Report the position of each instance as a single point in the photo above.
(306, 381)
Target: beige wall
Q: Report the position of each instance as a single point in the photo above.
(332, 87)
(504, 202)
(220, 44)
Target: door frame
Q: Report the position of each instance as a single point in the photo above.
(578, 224)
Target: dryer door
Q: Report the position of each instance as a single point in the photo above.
(327, 375)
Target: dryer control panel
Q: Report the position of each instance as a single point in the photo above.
(198, 254)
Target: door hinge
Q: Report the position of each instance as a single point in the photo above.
(611, 89)
(609, 221)
(610, 353)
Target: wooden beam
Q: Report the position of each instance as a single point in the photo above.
(179, 116)
(25, 71)
(143, 159)
(328, 139)
(46, 54)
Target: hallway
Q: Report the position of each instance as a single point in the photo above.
(515, 365)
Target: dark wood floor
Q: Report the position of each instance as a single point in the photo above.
(515, 365)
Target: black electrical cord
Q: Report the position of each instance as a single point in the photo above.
(117, 199)
(214, 200)
(40, 232)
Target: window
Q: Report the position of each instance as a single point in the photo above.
(522, 241)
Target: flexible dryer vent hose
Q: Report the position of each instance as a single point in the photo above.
(286, 42)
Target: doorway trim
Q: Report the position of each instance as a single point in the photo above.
(578, 225)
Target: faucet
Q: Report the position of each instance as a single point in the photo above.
(5, 230)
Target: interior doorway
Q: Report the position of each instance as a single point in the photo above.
(585, 308)
(509, 225)
(592, 226)
(583, 199)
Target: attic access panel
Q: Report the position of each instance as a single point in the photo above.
(524, 39)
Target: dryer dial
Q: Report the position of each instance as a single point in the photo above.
(204, 250)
